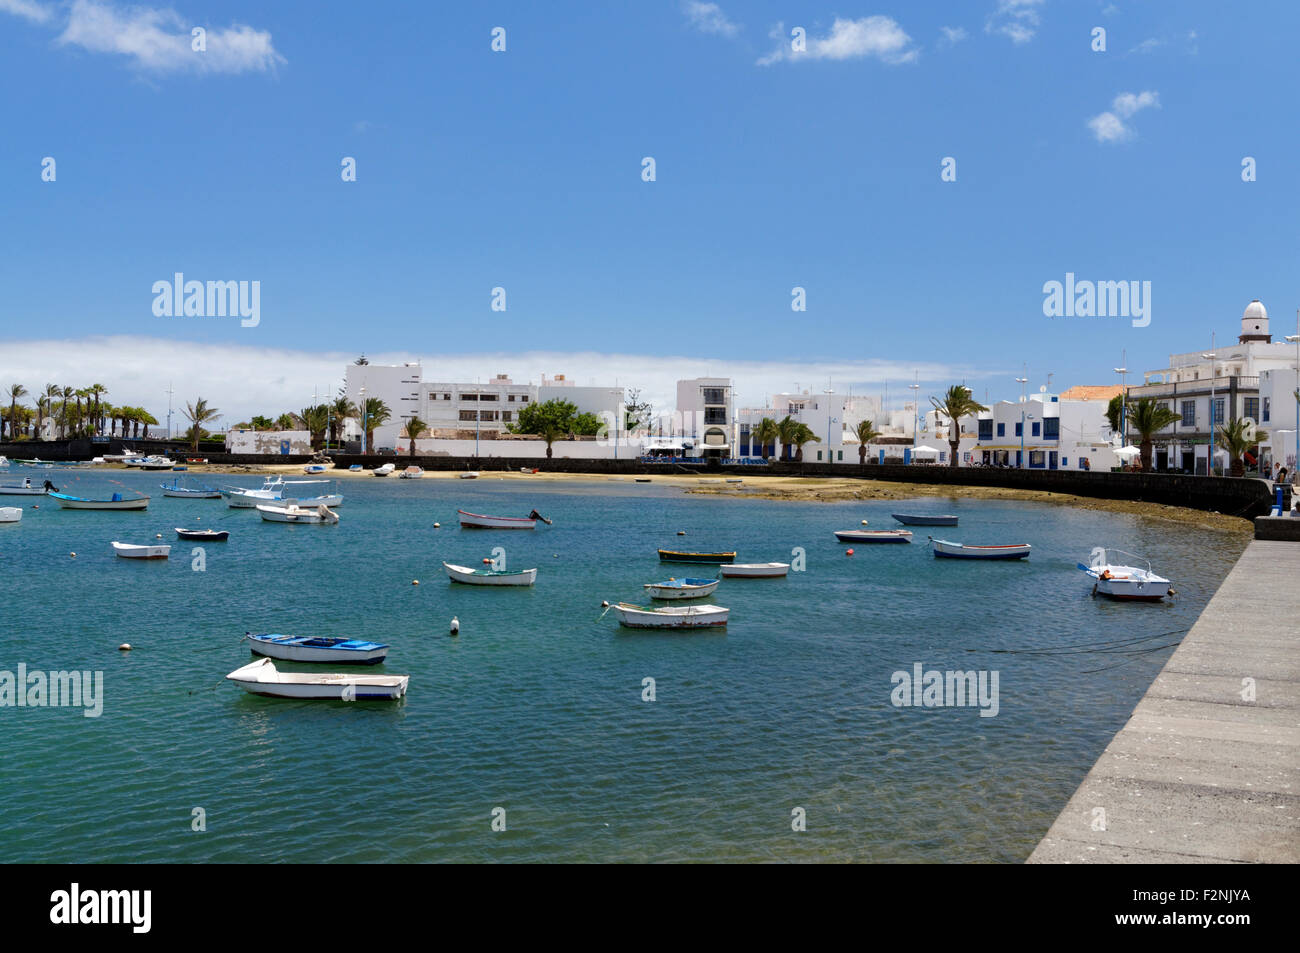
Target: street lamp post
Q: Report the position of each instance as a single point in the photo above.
(362, 396)
(1214, 373)
(1022, 381)
(1296, 338)
(915, 387)
(1123, 399)
(830, 454)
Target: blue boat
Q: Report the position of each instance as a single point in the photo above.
(681, 588)
(306, 648)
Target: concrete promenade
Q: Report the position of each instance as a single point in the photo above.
(1199, 774)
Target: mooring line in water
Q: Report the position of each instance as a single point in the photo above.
(1136, 656)
(1081, 648)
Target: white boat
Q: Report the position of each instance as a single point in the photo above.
(10, 514)
(262, 678)
(203, 492)
(314, 468)
(4, 463)
(126, 454)
(275, 489)
(490, 577)
(468, 475)
(297, 514)
(480, 521)
(305, 648)
(386, 469)
(329, 499)
(411, 473)
(26, 488)
(874, 535)
(1120, 581)
(949, 550)
(681, 588)
(151, 462)
(926, 519)
(116, 502)
(670, 617)
(755, 570)
(128, 551)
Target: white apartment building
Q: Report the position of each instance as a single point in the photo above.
(397, 385)
(487, 407)
(1208, 388)
(1280, 415)
(833, 419)
(705, 420)
(1040, 432)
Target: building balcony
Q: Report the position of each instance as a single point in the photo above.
(1193, 388)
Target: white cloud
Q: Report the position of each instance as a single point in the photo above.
(951, 36)
(28, 10)
(877, 36)
(1110, 126)
(1016, 19)
(709, 18)
(244, 380)
(1146, 46)
(160, 40)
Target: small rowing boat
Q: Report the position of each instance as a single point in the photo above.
(922, 519)
(305, 648)
(314, 468)
(411, 473)
(128, 551)
(681, 588)
(874, 536)
(203, 535)
(481, 521)
(355, 468)
(1124, 582)
(115, 502)
(11, 514)
(490, 577)
(675, 556)
(383, 471)
(201, 492)
(263, 678)
(670, 617)
(949, 550)
(468, 475)
(755, 570)
(297, 514)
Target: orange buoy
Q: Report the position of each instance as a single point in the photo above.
(848, 552)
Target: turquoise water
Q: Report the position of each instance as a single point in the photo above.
(537, 706)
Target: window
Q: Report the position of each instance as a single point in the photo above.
(841, 454)
(715, 415)
(468, 415)
(986, 430)
(1252, 408)
(1036, 428)
(469, 396)
(506, 415)
(446, 396)
(510, 398)
(489, 396)
(1189, 413)
(523, 399)
(1266, 408)
(1216, 418)
(487, 415)
(715, 395)
(1002, 430)
(1020, 428)
(819, 456)
(1065, 461)
(1037, 458)
(1052, 428)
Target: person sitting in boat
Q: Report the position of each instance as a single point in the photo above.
(1105, 574)
(48, 486)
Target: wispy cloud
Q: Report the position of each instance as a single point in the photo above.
(1147, 46)
(877, 36)
(709, 18)
(159, 40)
(951, 36)
(1016, 19)
(244, 380)
(1110, 126)
(28, 10)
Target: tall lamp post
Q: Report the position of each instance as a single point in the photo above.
(362, 396)
(1022, 381)
(915, 387)
(1296, 338)
(830, 454)
(1123, 398)
(1212, 357)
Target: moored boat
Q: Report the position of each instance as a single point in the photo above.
(676, 556)
(411, 473)
(115, 502)
(874, 536)
(129, 551)
(292, 513)
(11, 514)
(670, 617)
(263, 678)
(151, 462)
(200, 492)
(355, 468)
(26, 488)
(1125, 582)
(949, 550)
(383, 471)
(755, 570)
(468, 475)
(482, 521)
(925, 519)
(203, 535)
(314, 468)
(490, 577)
(681, 588)
(306, 648)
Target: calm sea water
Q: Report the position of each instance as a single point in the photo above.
(537, 706)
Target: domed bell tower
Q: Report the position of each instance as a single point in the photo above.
(1254, 323)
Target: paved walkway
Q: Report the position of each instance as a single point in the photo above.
(1200, 775)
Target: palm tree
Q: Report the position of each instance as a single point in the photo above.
(956, 404)
(1237, 436)
(316, 419)
(96, 391)
(414, 427)
(766, 432)
(48, 396)
(261, 423)
(16, 391)
(785, 432)
(198, 414)
(1148, 416)
(66, 394)
(377, 414)
(340, 410)
(362, 360)
(803, 434)
(866, 432)
(284, 422)
(143, 416)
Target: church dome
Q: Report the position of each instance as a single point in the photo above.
(1254, 323)
(1254, 312)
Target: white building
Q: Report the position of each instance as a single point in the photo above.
(833, 419)
(1209, 388)
(397, 385)
(1042, 432)
(488, 407)
(1280, 415)
(705, 420)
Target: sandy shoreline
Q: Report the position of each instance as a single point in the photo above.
(787, 488)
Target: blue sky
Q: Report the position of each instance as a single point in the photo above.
(522, 169)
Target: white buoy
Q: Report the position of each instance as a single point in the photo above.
(157, 535)
(73, 555)
(437, 525)
(604, 603)
(415, 582)
(455, 626)
(681, 532)
(864, 522)
(124, 647)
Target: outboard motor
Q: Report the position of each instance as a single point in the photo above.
(50, 487)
